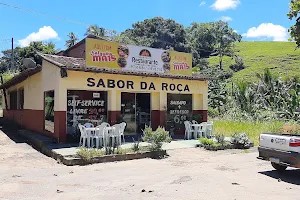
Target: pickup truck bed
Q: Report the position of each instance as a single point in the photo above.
(285, 158)
(278, 149)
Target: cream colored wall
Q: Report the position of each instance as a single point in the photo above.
(35, 86)
(33, 95)
(51, 80)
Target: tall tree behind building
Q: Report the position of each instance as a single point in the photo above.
(72, 40)
(159, 33)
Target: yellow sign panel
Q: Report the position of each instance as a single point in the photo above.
(100, 53)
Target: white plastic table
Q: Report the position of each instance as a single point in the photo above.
(197, 129)
(107, 134)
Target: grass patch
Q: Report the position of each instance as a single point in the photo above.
(89, 154)
(252, 129)
(280, 57)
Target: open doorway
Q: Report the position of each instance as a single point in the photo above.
(135, 111)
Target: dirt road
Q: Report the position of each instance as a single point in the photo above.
(186, 174)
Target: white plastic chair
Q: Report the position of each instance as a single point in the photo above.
(209, 129)
(99, 135)
(111, 133)
(188, 130)
(83, 136)
(88, 125)
(122, 130)
(194, 122)
(202, 129)
(117, 134)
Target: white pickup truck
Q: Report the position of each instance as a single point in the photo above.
(283, 150)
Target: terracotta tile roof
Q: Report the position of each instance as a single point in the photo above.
(78, 64)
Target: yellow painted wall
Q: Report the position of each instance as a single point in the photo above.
(155, 100)
(78, 81)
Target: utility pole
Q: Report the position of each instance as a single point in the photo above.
(12, 53)
(12, 65)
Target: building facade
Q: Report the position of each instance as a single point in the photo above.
(65, 91)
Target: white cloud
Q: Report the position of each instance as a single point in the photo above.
(221, 5)
(226, 18)
(235, 31)
(44, 33)
(202, 3)
(268, 30)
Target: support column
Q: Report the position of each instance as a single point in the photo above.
(163, 109)
(200, 106)
(113, 106)
(155, 110)
(60, 114)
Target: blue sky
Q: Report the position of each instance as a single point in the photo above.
(256, 19)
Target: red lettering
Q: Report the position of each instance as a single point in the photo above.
(98, 56)
(181, 66)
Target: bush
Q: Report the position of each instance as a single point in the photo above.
(213, 113)
(206, 141)
(211, 145)
(156, 138)
(240, 140)
(197, 117)
(220, 138)
(217, 146)
(135, 146)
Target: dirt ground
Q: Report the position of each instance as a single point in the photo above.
(186, 174)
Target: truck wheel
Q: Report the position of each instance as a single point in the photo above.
(278, 167)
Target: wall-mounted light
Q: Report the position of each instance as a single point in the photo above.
(63, 72)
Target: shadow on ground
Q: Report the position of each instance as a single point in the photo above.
(10, 129)
(288, 176)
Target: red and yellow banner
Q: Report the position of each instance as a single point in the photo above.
(101, 53)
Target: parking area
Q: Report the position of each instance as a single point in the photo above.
(187, 174)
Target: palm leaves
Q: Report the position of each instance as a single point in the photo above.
(95, 30)
(72, 40)
(270, 97)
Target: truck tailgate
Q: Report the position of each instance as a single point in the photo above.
(279, 142)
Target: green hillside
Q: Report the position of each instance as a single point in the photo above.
(280, 57)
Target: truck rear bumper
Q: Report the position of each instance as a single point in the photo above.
(286, 158)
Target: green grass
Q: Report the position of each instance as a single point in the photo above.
(253, 130)
(280, 57)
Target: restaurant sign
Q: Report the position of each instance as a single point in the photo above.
(101, 53)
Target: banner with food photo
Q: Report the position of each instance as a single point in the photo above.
(100, 53)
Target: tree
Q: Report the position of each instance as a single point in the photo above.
(27, 52)
(159, 33)
(95, 30)
(224, 37)
(214, 38)
(6, 60)
(200, 40)
(72, 40)
(293, 14)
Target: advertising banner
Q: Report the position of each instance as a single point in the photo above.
(101, 53)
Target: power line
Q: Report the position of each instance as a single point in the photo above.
(110, 32)
(54, 17)
(43, 14)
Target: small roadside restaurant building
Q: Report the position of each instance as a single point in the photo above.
(97, 80)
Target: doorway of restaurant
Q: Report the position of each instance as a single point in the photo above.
(135, 111)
